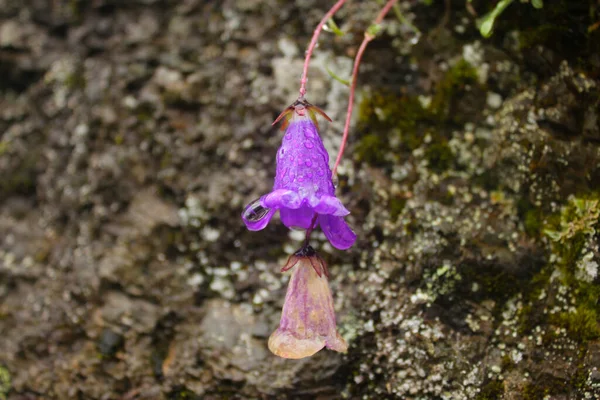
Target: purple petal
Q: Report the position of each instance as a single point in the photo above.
(281, 198)
(337, 231)
(261, 223)
(331, 205)
(298, 218)
(303, 161)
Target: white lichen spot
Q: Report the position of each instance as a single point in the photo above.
(587, 268)
(425, 101)
(472, 323)
(260, 296)
(222, 286)
(297, 235)
(493, 100)
(195, 280)
(420, 297)
(210, 234)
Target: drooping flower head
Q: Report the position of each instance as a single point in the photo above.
(303, 191)
(308, 318)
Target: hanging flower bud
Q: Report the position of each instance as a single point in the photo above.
(308, 318)
(303, 182)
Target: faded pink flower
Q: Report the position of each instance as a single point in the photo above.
(308, 318)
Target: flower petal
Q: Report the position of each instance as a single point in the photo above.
(308, 318)
(282, 198)
(331, 205)
(337, 343)
(261, 223)
(337, 231)
(297, 218)
(284, 344)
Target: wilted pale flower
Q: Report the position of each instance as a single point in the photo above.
(303, 192)
(308, 318)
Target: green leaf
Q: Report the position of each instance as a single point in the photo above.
(337, 77)
(537, 3)
(486, 26)
(332, 27)
(374, 29)
(401, 18)
(486, 23)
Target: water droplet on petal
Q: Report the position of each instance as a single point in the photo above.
(308, 145)
(254, 211)
(308, 163)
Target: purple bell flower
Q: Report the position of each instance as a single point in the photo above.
(303, 192)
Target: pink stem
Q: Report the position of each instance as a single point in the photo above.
(368, 37)
(313, 44)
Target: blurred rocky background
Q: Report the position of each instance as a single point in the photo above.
(133, 132)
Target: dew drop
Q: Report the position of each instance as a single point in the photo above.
(308, 145)
(308, 163)
(254, 211)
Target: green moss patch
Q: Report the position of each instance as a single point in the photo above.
(5, 383)
(570, 232)
(493, 390)
(394, 125)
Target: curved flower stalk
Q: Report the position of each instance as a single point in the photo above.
(313, 44)
(369, 36)
(303, 191)
(308, 318)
